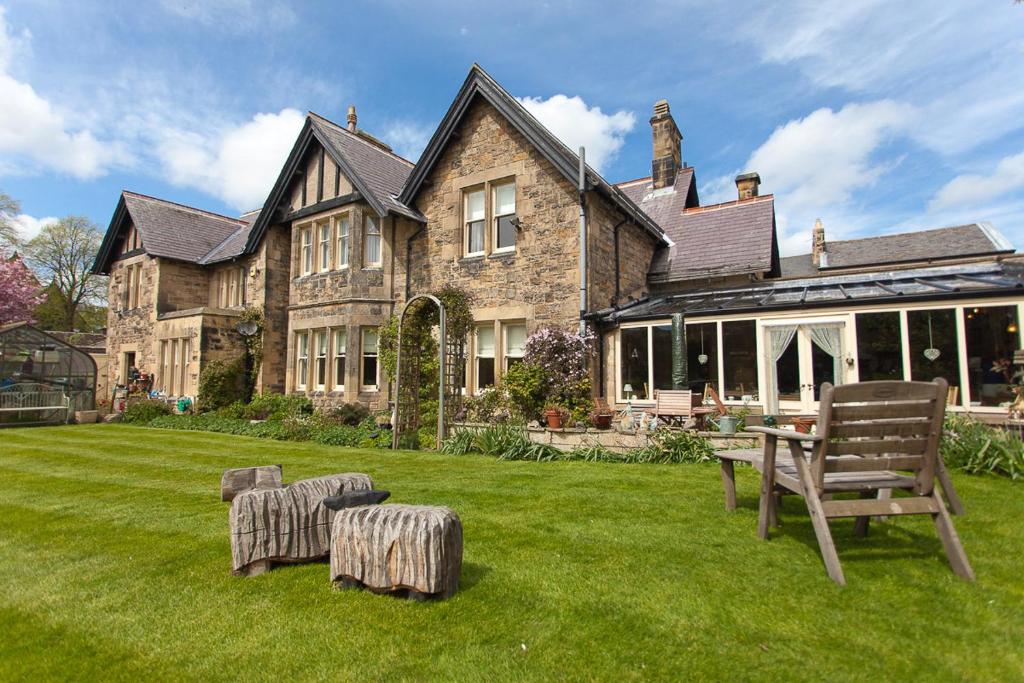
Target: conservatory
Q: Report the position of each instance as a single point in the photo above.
(42, 379)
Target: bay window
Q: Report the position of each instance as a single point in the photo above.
(484, 356)
(371, 242)
(504, 203)
(320, 366)
(306, 240)
(340, 340)
(369, 369)
(324, 246)
(301, 360)
(473, 213)
(344, 224)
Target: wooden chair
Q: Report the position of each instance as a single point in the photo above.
(867, 434)
(671, 405)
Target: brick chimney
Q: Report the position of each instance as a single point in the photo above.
(818, 255)
(352, 118)
(747, 184)
(667, 158)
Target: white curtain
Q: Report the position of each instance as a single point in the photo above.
(829, 338)
(779, 339)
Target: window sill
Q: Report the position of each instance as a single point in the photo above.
(508, 253)
(373, 268)
(369, 390)
(472, 258)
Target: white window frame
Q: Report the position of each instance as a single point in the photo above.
(477, 355)
(301, 360)
(340, 341)
(494, 218)
(364, 355)
(323, 246)
(371, 237)
(320, 342)
(505, 355)
(306, 261)
(344, 231)
(466, 222)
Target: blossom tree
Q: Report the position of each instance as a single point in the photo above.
(20, 290)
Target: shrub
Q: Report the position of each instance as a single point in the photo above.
(674, 447)
(145, 411)
(221, 384)
(351, 414)
(976, 448)
(277, 407)
(459, 442)
(526, 387)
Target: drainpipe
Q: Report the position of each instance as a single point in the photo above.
(408, 262)
(583, 239)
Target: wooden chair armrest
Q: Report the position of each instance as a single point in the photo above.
(789, 435)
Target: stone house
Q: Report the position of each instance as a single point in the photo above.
(350, 231)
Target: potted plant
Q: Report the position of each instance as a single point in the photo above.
(553, 415)
(601, 417)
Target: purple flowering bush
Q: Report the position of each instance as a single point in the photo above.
(563, 361)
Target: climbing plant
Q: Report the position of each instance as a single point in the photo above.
(254, 342)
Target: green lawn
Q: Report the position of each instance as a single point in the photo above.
(115, 559)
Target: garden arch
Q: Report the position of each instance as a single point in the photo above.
(451, 356)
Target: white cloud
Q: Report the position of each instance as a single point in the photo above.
(971, 189)
(29, 226)
(238, 163)
(33, 133)
(575, 124)
(407, 138)
(814, 166)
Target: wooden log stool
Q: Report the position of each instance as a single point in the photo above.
(286, 525)
(242, 479)
(410, 550)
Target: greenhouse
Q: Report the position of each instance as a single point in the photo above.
(42, 379)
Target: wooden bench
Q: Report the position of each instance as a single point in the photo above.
(34, 397)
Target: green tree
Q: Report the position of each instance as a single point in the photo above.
(49, 315)
(63, 252)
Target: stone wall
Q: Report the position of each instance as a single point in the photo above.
(271, 290)
(181, 286)
(636, 248)
(130, 330)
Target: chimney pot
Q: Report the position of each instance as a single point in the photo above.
(352, 117)
(667, 158)
(747, 185)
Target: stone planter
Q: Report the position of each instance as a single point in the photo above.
(84, 417)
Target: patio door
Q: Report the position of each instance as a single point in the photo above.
(802, 356)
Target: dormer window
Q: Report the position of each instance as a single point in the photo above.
(504, 207)
(474, 228)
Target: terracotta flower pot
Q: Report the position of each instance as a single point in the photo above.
(554, 419)
(602, 421)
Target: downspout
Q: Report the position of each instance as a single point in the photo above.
(583, 239)
(408, 261)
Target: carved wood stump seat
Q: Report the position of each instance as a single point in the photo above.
(414, 550)
(286, 525)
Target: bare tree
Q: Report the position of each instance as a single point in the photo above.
(63, 252)
(9, 208)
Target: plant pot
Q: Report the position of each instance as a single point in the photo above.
(803, 424)
(603, 421)
(553, 418)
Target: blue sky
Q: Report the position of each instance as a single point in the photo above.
(875, 116)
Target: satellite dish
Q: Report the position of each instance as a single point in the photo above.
(247, 328)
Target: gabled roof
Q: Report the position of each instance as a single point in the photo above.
(479, 83)
(732, 238)
(376, 174)
(922, 246)
(169, 230)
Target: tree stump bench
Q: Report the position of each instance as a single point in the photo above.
(286, 525)
(410, 549)
(242, 479)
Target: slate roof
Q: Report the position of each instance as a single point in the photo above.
(946, 282)
(938, 244)
(383, 173)
(719, 239)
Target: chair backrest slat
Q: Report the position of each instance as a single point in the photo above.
(877, 426)
(674, 402)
